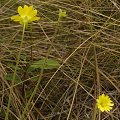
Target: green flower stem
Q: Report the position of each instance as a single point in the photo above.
(11, 90)
(41, 70)
(95, 111)
(31, 40)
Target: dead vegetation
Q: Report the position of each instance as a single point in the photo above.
(87, 46)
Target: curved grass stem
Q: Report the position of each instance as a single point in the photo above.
(41, 70)
(95, 111)
(11, 90)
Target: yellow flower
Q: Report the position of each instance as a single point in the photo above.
(26, 15)
(62, 14)
(104, 103)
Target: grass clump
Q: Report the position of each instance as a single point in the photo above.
(85, 55)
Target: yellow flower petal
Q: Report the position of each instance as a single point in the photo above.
(17, 18)
(111, 104)
(30, 10)
(21, 10)
(26, 9)
(33, 13)
(21, 22)
(101, 109)
(35, 18)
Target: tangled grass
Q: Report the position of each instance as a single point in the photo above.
(87, 47)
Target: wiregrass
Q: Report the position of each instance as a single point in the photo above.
(87, 46)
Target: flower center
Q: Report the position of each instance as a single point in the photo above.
(103, 104)
(25, 19)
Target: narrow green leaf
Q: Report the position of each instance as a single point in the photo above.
(10, 77)
(90, 118)
(50, 64)
(28, 94)
(12, 66)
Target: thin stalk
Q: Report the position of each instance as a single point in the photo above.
(94, 53)
(94, 116)
(31, 41)
(41, 71)
(11, 90)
